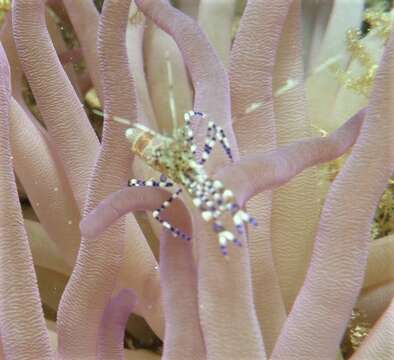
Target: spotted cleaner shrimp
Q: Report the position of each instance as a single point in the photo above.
(175, 158)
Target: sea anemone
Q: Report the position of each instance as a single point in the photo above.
(301, 275)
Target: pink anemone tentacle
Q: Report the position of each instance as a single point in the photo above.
(59, 105)
(217, 279)
(315, 18)
(251, 71)
(44, 251)
(183, 336)
(176, 266)
(294, 206)
(318, 16)
(162, 60)
(323, 110)
(1, 350)
(60, 46)
(225, 297)
(20, 299)
(209, 78)
(99, 262)
(189, 7)
(252, 65)
(380, 268)
(7, 40)
(120, 99)
(214, 15)
(118, 204)
(111, 335)
(260, 172)
(374, 300)
(136, 34)
(155, 89)
(341, 246)
(43, 178)
(379, 343)
(85, 20)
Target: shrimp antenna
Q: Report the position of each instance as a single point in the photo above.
(118, 119)
(121, 120)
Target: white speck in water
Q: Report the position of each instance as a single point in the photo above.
(156, 267)
(69, 222)
(37, 204)
(253, 107)
(290, 84)
(56, 189)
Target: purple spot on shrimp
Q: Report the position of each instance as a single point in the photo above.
(253, 221)
(186, 237)
(237, 242)
(217, 227)
(223, 249)
(234, 208)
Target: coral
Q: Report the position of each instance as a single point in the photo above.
(300, 276)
